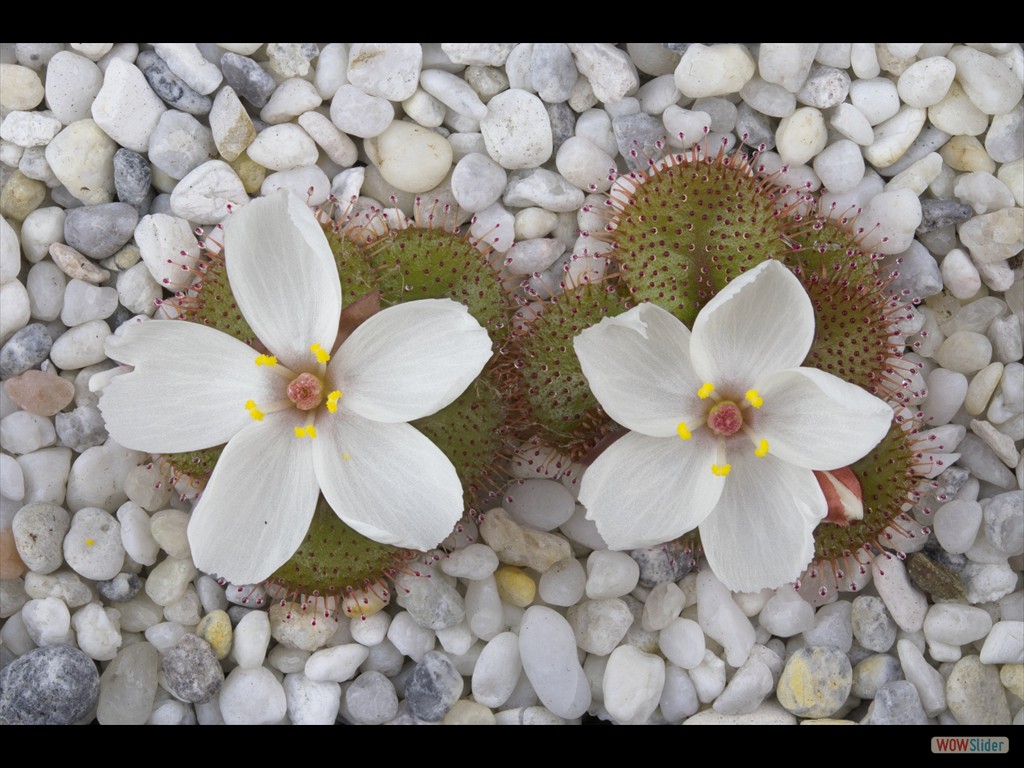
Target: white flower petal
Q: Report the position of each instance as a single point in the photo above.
(255, 511)
(815, 420)
(284, 277)
(188, 390)
(387, 481)
(760, 322)
(647, 490)
(410, 360)
(638, 367)
(760, 534)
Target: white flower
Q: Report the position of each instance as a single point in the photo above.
(294, 423)
(726, 428)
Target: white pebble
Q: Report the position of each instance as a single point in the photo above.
(497, 670)
(454, 92)
(877, 99)
(98, 631)
(311, 702)
(206, 195)
(840, 166)
(585, 165)
(722, 620)
(956, 624)
(713, 70)
(47, 621)
(410, 157)
(547, 648)
(893, 137)
(370, 630)
(15, 309)
(252, 697)
(517, 130)
(476, 561)
(632, 685)
(564, 583)
(24, 432)
(336, 664)
(360, 114)
(801, 135)
(682, 642)
(80, 346)
(906, 603)
(410, 638)
(609, 70)
(926, 82)
(281, 147)
(956, 525)
(250, 639)
(335, 144)
(1004, 644)
(387, 70)
(611, 574)
(787, 614)
(126, 108)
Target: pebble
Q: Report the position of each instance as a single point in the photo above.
(874, 672)
(599, 625)
(72, 83)
(722, 620)
(291, 99)
(45, 474)
(609, 70)
(713, 70)
(852, 124)
(840, 166)
(370, 630)
(39, 229)
(75, 265)
(97, 631)
(247, 78)
(29, 129)
(55, 685)
(282, 147)
(497, 670)
(454, 92)
(1002, 139)
(82, 428)
(410, 638)
(42, 394)
(974, 694)
(987, 81)
(516, 545)
(168, 527)
(897, 703)
(360, 114)
(993, 237)
(473, 562)
(746, 690)
(187, 62)
(787, 614)
(215, 629)
(683, 643)
(433, 687)
(517, 130)
(833, 625)
(172, 89)
(564, 583)
(585, 165)
(311, 702)
(39, 529)
(47, 621)
(132, 178)
(92, 546)
(179, 144)
(81, 157)
(121, 588)
(1003, 522)
(632, 685)
(22, 88)
(515, 586)
(336, 145)
(547, 648)
(128, 686)
(410, 157)
(1004, 644)
(126, 108)
(252, 697)
(815, 682)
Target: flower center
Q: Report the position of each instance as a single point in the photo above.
(725, 418)
(306, 391)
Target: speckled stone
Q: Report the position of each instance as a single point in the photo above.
(53, 685)
(248, 78)
(975, 695)
(99, 231)
(132, 177)
(215, 629)
(26, 349)
(169, 87)
(434, 687)
(121, 588)
(815, 682)
(666, 562)
(191, 670)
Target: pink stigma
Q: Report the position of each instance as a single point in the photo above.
(725, 418)
(305, 391)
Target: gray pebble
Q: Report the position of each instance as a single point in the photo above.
(873, 627)
(371, 699)
(81, 428)
(434, 687)
(171, 88)
(936, 214)
(948, 482)
(132, 177)
(873, 672)
(65, 199)
(191, 670)
(666, 562)
(36, 55)
(121, 588)
(39, 531)
(248, 78)
(563, 124)
(53, 685)
(897, 703)
(755, 127)
(99, 231)
(180, 143)
(24, 350)
(552, 72)
(1004, 524)
(825, 87)
(637, 136)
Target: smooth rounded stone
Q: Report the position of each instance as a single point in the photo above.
(312, 702)
(927, 680)
(12, 479)
(906, 604)
(39, 393)
(786, 64)
(168, 581)
(22, 88)
(20, 196)
(132, 178)
(252, 697)
(768, 98)
(897, 703)
(360, 114)
(75, 265)
(55, 685)
(29, 129)
(291, 99)
(168, 246)
(187, 62)
(787, 614)
(386, 70)
(516, 545)
(47, 621)
(946, 393)
(126, 108)
(982, 387)
(722, 620)
(97, 631)
(517, 130)
(965, 352)
(410, 157)
(801, 135)
(179, 143)
(121, 588)
(137, 291)
(452, 91)
(475, 561)
(335, 144)
(832, 626)
(128, 686)
(336, 664)
(873, 628)
(715, 70)
(989, 83)
(599, 625)
(39, 531)
(678, 697)
(956, 624)
(12, 599)
(1004, 644)
(926, 81)
(410, 638)
(496, 226)
(66, 586)
(81, 157)
(477, 181)
(190, 670)
(92, 546)
(484, 610)
(97, 478)
(637, 136)
(281, 147)
(824, 88)
(215, 628)
(1004, 525)
(585, 165)
(1002, 141)
(140, 613)
(24, 350)
(1007, 339)
(82, 428)
(974, 694)
(632, 685)
(956, 525)
(563, 584)
(682, 641)
(708, 677)
(169, 529)
(206, 195)
(371, 699)
(45, 473)
(497, 670)
(547, 649)
(960, 275)
(430, 598)
(230, 124)
(247, 78)
(84, 303)
(983, 192)
(552, 71)
(611, 574)
(874, 672)
(746, 690)
(532, 223)
(840, 166)
(39, 230)
(72, 82)
(433, 687)
(515, 587)
(23, 432)
(993, 237)
(663, 605)
(609, 71)
(815, 682)
(370, 630)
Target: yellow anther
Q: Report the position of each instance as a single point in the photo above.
(684, 433)
(754, 399)
(762, 448)
(266, 360)
(321, 355)
(332, 400)
(705, 392)
(307, 431)
(256, 413)
(720, 470)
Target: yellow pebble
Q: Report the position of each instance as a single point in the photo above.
(466, 712)
(215, 628)
(514, 586)
(1012, 678)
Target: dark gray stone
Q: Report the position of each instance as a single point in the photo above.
(121, 588)
(132, 177)
(171, 88)
(433, 687)
(99, 231)
(936, 214)
(25, 350)
(563, 124)
(637, 136)
(665, 562)
(191, 670)
(897, 703)
(53, 685)
(81, 428)
(753, 128)
(250, 81)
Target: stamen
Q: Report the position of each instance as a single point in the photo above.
(321, 354)
(684, 433)
(307, 431)
(332, 400)
(705, 391)
(754, 398)
(720, 470)
(762, 448)
(266, 360)
(256, 413)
